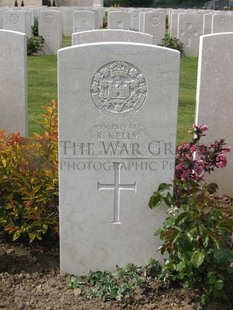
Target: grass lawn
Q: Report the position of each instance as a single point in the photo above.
(42, 88)
(187, 97)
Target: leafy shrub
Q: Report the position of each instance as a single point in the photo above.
(35, 29)
(197, 234)
(36, 42)
(34, 45)
(29, 181)
(114, 286)
(173, 43)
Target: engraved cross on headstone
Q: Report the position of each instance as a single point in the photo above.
(188, 33)
(117, 187)
(48, 37)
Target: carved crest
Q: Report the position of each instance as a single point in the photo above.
(118, 89)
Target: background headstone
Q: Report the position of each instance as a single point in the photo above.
(215, 99)
(13, 82)
(154, 24)
(83, 21)
(50, 28)
(134, 24)
(67, 20)
(16, 21)
(207, 22)
(190, 28)
(117, 140)
(119, 20)
(222, 23)
(111, 35)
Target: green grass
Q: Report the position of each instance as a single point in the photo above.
(42, 88)
(66, 41)
(187, 97)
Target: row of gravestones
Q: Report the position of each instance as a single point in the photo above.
(187, 26)
(34, 3)
(117, 137)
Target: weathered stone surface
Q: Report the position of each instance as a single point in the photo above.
(154, 23)
(83, 21)
(111, 35)
(117, 138)
(214, 98)
(190, 28)
(13, 82)
(119, 20)
(50, 28)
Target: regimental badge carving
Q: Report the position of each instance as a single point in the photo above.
(154, 20)
(118, 89)
(14, 18)
(222, 21)
(49, 18)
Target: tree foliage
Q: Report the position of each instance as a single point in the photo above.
(129, 3)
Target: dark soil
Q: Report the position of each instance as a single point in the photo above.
(30, 279)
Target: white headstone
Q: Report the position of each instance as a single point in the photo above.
(111, 35)
(117, 139)
(207, 22)
(13, 82)
(29, 23)
(134, 24)
(173, 25)
(119, 20)
(16, 21)
(83, 21)
(222, 23)
(190, 28)
(215, 98)
(154, 24)
(1, 18)
(50, 28)
(67, 20)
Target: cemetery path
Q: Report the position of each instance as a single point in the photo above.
(30, 279)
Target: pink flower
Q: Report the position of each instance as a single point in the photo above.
(200, 127)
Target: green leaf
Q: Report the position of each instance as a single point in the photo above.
(163, 186)
(181, 266)
(155, 200)
(219, 285)
(169, 200)
(16, 235)
(32, 236)
(181, 217)
(197, 258)
(211, 278)
(158, 231)
(183, 243)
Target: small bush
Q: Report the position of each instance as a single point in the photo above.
(29, 182)
(34, 45)
(197, 234)
(35, 31)
(173, 43)
(36, 42)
